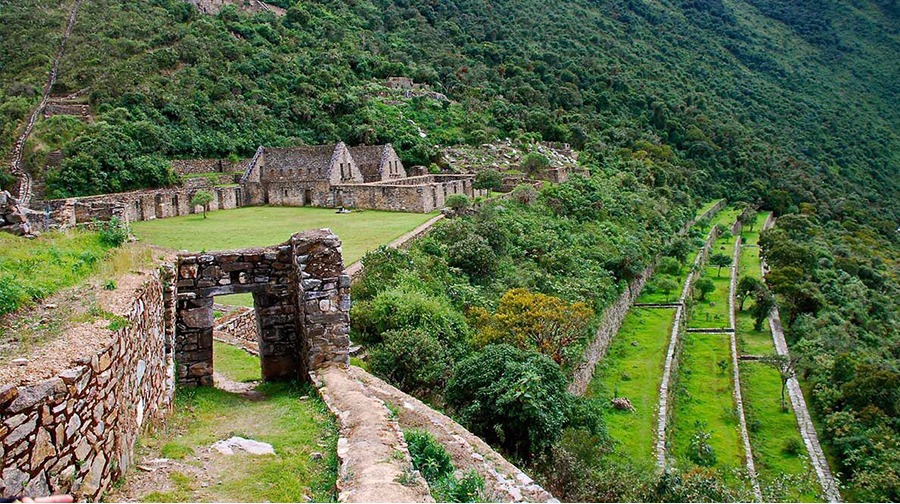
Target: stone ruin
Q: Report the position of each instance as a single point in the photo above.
(13, 218)
(300, 294)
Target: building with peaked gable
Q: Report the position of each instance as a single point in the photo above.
(366, 176)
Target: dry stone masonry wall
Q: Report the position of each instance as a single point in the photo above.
(75, 433)
(300, 294)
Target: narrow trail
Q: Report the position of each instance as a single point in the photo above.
(24, 185)
(804, 420)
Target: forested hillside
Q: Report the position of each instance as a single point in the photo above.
(790, 105)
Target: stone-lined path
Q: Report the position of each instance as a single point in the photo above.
(804, 420)
(24, 189)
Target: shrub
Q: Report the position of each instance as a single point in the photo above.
(473, 255)
(705, 286)
(668, 266)
(793, 446)
(700, 451)
(396, 309)
(113, 233)
(511, 397)
(410, 359)
(428, 456)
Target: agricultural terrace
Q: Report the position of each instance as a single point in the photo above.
(633, 369)
(778, 450)
(633, 366)
(711, 310)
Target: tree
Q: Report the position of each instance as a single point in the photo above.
(202, 198)
(748, 217)
(668, 266)
(747, 287)
(666, 285)
(490, 180)
(458, 203)
(720, 261)
(764, 304)
(534, 164)
(785, 365)
(705, 286)
(410, 359)
(512, 397)
(531, 320)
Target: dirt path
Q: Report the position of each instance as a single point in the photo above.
(24, 188)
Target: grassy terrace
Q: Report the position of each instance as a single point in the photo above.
(634, 371)
(777, 446)
(202, 416)
(705, 208)
(245, 227)
(261, 226)
(713, 311)
(703, 401)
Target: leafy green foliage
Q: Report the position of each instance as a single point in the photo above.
(432, 460)
(410, 359)
(511, 397)
(705, 286)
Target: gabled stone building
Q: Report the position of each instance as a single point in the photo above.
(367, 176)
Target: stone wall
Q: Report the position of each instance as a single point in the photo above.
(610, 322)
(414, 194)
(75, 433)
(300, 294)
(192, 166)
(239, 328)
(136, 205)
(13, 219)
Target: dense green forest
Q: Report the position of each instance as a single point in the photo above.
(789, 105)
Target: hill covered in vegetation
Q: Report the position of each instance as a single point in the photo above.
(788, 105)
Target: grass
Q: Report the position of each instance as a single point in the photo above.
(31, 270)
(704, 401)
(772, 429)
(233, 363)
(295, 428)
(262, 226)
(360, 231)
(634, 372)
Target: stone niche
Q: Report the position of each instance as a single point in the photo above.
(301, 297)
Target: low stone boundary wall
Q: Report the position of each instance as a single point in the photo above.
(355, 270)
(239, 328)
(75, 433)
(503, 481)
(610, 322)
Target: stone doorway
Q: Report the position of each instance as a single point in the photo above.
(300, 294)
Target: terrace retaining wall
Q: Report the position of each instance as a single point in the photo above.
(75, 432)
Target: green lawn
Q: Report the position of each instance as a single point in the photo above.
(360, 231)
(774, 436)
(713, 311)
(295, 428)
(634, 372)
(261, 226)
(703, 401)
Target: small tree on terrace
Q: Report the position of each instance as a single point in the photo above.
(202, 198)
(785, 366)
(765, 303)
(748, 217)
(747, 288)
(720, 261)
(490, 180)
(705, 286)
(666, 285)
(531, 320)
